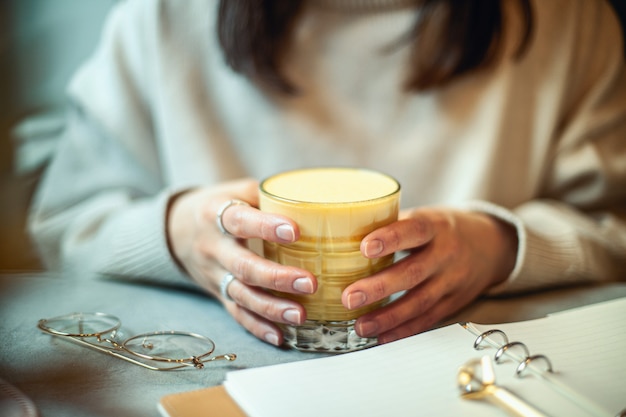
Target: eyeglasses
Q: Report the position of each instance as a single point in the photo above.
(158, 351)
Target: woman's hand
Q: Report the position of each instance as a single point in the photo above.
(453, 257)
(208, 255)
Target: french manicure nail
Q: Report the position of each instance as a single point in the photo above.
(286, 232)
(303, 285)
(356, 299)
(271, 338)
(292, 316)
(369, 328)
(373, 248)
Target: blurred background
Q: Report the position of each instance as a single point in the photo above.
(42, 42)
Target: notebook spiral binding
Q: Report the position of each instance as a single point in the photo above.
(519, 352)
(503, 350)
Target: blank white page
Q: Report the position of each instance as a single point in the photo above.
(587, 348)
(417, 375)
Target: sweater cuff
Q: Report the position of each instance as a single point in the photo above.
(140, 245)
(548, 262)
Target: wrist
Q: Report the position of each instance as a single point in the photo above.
(507, 241)
(509, 237)
(178, 225)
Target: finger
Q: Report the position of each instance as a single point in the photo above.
(248, 222)
(422, 323)
(446, 306)
(235, 218)
(255, 270)
(262, 329)
(414, 303)
(404, 234)
(401, 276)
(266, 305)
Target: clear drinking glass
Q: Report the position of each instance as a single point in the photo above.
(335, 208)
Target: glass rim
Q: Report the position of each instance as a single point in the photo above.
(395, 191)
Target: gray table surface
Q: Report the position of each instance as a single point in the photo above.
(65, 379)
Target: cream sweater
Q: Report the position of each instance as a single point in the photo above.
(539, 142)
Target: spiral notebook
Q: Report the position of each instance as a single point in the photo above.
(586, 348)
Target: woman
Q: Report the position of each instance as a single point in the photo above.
(503, 121)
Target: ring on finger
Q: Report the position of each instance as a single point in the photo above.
(227, 279)
(220, 214)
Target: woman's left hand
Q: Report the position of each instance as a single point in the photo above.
(454, 256)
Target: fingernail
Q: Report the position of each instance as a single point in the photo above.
(369, 328)
(388, 337)
(304, 285)
(373, 248)
(271, 338)
(292, 316)
(286, 232)
(356, 299)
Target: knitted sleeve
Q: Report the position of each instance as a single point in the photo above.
(101, 206)
(576, 230)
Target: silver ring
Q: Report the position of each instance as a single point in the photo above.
(226, 281)
(220, 213)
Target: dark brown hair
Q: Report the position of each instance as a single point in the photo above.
(453, 37)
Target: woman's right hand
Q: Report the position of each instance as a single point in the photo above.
(208, 255)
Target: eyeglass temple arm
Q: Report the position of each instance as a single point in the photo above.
(199, 364)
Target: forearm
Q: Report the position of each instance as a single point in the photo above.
(110, 235)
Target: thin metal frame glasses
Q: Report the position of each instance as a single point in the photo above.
(159, 351)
